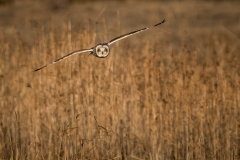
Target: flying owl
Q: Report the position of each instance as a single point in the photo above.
(101, 50)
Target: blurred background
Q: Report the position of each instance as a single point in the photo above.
(171, 92)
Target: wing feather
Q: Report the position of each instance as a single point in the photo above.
(132, 33)
(68, 55)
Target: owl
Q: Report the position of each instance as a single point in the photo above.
(101, 50)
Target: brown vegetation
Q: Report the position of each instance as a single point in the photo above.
(170, 93)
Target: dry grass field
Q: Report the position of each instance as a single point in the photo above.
(170, 93)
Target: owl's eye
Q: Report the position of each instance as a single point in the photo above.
(105, 49)
(99, 50)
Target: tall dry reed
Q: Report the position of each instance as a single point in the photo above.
(167, 96)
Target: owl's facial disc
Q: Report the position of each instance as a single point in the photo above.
(102, 51)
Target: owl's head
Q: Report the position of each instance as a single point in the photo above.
(102, 50)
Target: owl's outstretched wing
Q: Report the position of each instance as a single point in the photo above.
(132, 33)
(68, 55)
